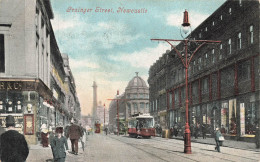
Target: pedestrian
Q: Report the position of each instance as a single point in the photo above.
(14, 147)
(74, 134)
(66, 130)
(82, 138)
(175, 130)
(204, 129)
(171, 132)
(106, 130)
(2, 130)
(192, 129)
(52, 135)
(217, 139)
(58, 144)
(44, 135)
(223, 130)
(196, 134)
(257, 135)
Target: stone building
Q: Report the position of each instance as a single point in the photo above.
(134, 100)
(137, 95)
(223, 78)
(33, 85)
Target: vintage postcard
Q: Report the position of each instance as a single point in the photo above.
(129, 80)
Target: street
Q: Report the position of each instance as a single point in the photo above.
(112, 148)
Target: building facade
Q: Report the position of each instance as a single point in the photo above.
(223, 78)
(137, 95)
(134, 100)
(32, 73)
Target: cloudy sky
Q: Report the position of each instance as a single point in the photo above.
(109, 47)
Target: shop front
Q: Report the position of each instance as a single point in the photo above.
(238, 118)
(23, 100)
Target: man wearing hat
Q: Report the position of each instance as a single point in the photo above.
(58, 144)
(74, 133)
(13, 144)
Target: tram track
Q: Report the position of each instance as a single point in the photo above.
(167, 150)
(160, 140)
(145, 150)
(157, 140)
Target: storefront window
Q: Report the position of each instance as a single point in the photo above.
(171, 119)
(250, 118)
(193, 115)
(209, 111)
(232, 117)
(224, 117)
(170, 100)
(197, 114)
(204, 114)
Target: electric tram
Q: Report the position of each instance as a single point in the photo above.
(141, 125)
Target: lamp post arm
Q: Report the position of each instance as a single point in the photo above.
(195, 52)
(178, 53)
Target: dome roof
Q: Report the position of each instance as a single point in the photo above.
(136, 82)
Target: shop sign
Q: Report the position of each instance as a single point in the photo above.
(11, 86)
(16, 86)
(242, 119)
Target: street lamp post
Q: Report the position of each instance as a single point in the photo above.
(104, 114)
(186, 57)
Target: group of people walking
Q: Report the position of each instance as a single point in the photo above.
(58, 141)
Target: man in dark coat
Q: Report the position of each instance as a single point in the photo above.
(14, 147)
(204, 128)
(74, 133)
(2, 130)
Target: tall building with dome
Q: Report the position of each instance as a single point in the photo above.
(135, 99)
(137, 94)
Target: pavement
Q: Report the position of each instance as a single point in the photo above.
(37, 153)
(227, 143)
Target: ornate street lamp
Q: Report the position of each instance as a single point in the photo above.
(186, 55)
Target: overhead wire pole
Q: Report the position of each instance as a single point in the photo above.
(186, 59)
(104, 115)
(117, 108)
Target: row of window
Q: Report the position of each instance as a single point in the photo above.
(159, 103)
(142, 105)
(213, 23)
(211, 57)
(138, 95)
(227, 81)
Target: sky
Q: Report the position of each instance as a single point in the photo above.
(107, 45)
